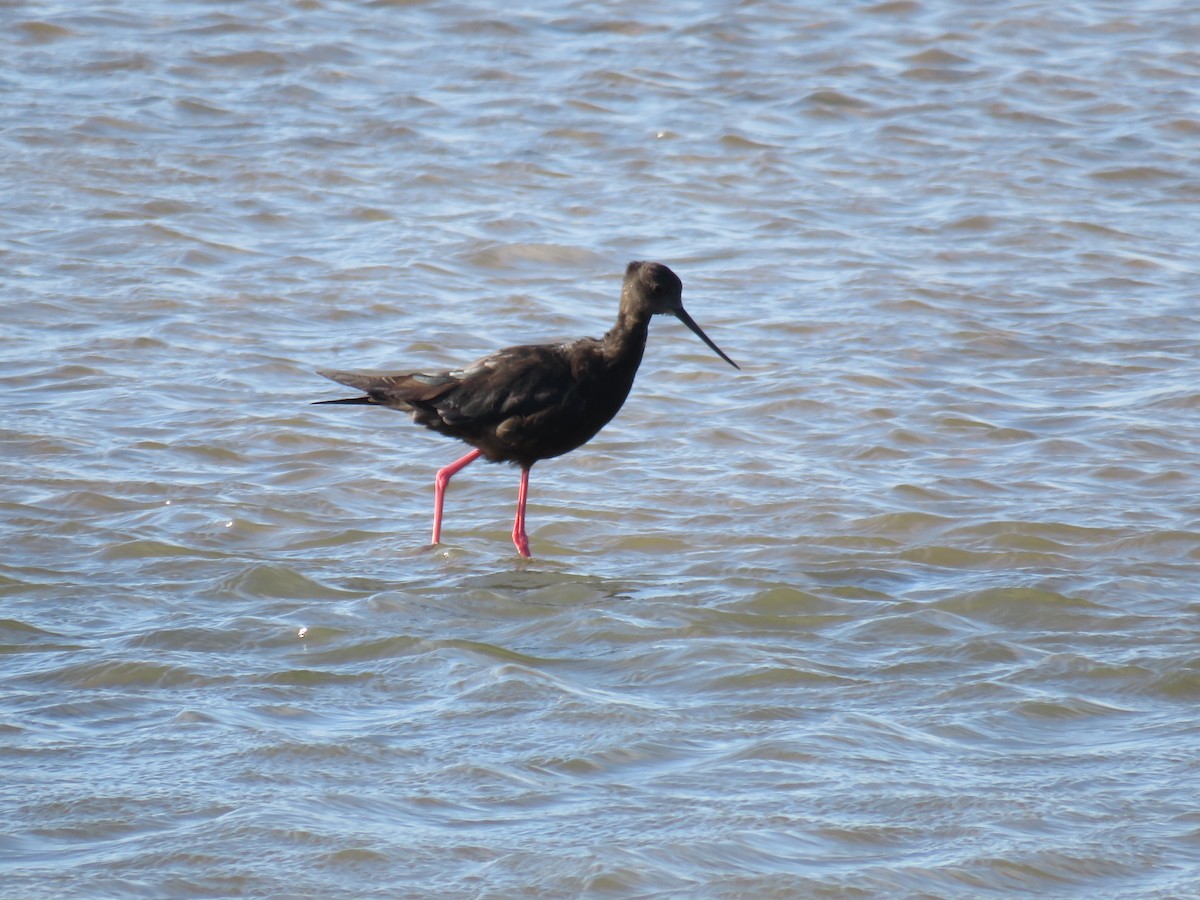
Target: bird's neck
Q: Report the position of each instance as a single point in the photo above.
(626, 341)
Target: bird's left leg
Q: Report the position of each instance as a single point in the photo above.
(439, 489)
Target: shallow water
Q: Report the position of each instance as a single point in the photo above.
(904, 608)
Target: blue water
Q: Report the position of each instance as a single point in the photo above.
(904, 608)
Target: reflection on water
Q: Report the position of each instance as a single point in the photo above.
(901, 608)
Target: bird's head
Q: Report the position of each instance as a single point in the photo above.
(652, 287)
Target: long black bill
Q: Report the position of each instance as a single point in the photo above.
(687, 320)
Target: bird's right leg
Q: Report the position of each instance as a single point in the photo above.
(520, 539)
(439, 489)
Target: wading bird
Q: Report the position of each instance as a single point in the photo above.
(536, 401)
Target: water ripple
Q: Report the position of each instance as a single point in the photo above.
(902, 608)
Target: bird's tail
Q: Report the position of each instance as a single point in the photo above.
(351, 400)
(396, 391)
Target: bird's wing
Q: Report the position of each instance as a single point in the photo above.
(514, 382)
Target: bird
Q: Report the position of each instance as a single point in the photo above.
(532, 402)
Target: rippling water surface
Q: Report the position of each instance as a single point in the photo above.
(907, 607)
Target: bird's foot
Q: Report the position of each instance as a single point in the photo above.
(522, 544)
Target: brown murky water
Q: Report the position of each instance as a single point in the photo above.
(907, 607)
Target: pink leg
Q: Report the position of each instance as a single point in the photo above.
(519, 536)
(439, 489)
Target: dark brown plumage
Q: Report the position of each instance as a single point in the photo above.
(535, 401)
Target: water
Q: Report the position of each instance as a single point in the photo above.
(905, 608)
